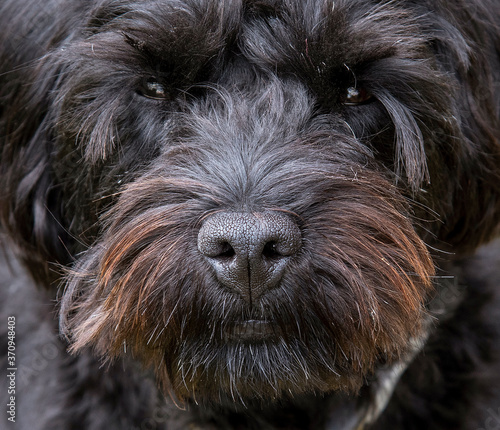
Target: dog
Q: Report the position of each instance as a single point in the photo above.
(272, 214)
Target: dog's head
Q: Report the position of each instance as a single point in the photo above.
(247, 194)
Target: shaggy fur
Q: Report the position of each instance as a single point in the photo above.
(253, 214)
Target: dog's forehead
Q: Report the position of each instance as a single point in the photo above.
(274, 32)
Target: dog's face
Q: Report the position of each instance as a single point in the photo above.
(249, 189)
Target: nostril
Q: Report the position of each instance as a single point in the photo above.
(215, 248)
(270, 251)
(226, 251)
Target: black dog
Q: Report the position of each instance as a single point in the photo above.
(252, 214)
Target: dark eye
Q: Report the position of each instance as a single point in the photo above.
(356, 96)
(152, 89)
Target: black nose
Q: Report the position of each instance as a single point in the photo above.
(249, 252)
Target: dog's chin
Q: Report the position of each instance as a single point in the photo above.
(254, 331)
(260, 367)
(254, 367)
(260, 362)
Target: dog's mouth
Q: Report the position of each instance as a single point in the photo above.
(253, 330)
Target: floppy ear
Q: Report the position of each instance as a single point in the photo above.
(30, 210)
(472, 155)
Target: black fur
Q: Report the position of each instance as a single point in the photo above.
(368, 130)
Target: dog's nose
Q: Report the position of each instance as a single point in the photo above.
(249, 251)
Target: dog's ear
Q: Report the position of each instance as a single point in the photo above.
(470, 159)
(30, 209)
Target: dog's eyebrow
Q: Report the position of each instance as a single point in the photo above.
(138, 44)
(146, 48)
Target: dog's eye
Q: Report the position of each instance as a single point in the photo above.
(152, 89)
(356, 96)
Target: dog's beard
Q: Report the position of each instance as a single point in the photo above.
(351, 299)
